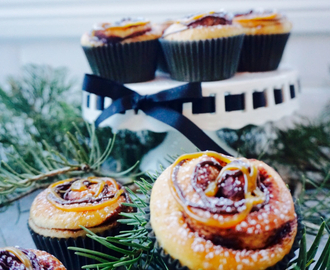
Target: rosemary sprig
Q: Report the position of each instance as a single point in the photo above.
(84, 158)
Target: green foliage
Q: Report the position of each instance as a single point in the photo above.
(306, 259)
(41, 106)
(35, 107)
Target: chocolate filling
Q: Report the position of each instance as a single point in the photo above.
(230, 196)
(9, 261)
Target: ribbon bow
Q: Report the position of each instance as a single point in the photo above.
(161, 106)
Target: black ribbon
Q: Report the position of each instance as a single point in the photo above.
(158, 106)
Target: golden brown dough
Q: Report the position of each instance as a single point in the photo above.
(202, 26)
(56, 219)
(201, 239)
(124, 31)
(263, 23)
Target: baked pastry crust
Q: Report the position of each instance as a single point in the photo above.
(47, 260)
(124, 31)
(202, 26)
(29, 259)
(263, 23)
(47, 219)
(188, 244)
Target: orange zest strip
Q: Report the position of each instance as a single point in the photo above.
(222, 220)
(128, 25)
(259, 17)
(21, 256)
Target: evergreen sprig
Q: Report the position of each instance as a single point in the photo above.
(306, 259)
(37, 137)
(83, 157)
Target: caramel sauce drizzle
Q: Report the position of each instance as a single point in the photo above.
(257, 16)
(91, 199)
(24, 259)
(220, 215)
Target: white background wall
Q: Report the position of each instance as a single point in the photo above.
(48, 31)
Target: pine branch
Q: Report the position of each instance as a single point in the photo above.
(51, 165)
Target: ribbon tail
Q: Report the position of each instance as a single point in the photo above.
(185, 127)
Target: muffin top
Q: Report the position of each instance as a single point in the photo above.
(203, 26)
(210, 211)
(124, 31)
(93, 202)
(263, 22)
(13, 258)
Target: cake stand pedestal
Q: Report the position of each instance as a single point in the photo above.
(246, 98)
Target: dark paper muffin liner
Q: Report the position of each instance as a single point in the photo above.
(202, 60)
(59, 247)
(174, 264)
(124, 62)
(262, 52)
(161, 62)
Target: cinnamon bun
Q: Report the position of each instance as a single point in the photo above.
(211, 211)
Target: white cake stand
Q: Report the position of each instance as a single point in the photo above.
(247, 98)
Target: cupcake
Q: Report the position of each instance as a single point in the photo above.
(210, 211)
(125, 51)
(14, 258)
(58, 212)
(266, 34)
(203, 47)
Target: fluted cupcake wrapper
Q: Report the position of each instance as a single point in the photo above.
(161, 62)
(59, 247)
(124, 62)
(174, 264)
(262, 52)
(202, 60)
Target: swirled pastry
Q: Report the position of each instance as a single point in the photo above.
(263, 22)
(203, 26)
(124, 31)
(92, 202)
(16, 258)
(212, 211)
